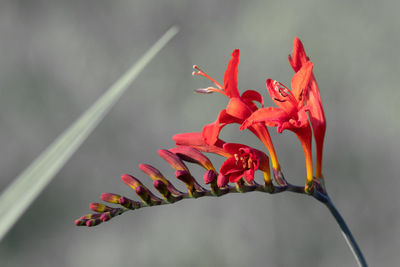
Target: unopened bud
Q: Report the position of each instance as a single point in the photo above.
(193, 155)
(93, 222)
(222, 180)
(97, 207)
(187, 178)
(90, 216)
(128, 203)
(209, 176)
(80, 222)
(131, 181)
(110, 198)
(153, 173)
(106, 216)
(162, 188)
(146, 196)
(173, 160)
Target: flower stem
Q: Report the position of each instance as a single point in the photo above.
(350, 240)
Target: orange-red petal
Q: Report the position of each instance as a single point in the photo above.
(211, 131)
(231, 75)
(237, 109)
(271, 116)
(196, 140)
(281, 96)
(250, 96)
(299, 57)
(300, 82)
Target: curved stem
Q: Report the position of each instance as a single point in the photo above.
(350, 240)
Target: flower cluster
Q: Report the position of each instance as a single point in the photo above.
(298, 109)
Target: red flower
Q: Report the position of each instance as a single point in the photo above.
(242, 163)
(291, 114)
(313, 99)
(239, 108)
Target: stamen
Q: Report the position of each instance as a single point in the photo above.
(207, 90)
(202, 73)
(279, 100)
(301, 94)
(284, 92)
(250, 163)
(236, 158)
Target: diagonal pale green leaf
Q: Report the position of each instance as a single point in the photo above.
(29, 184)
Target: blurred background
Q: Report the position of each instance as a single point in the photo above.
(57, 57)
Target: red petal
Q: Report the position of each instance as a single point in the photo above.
(234, 177)
(238, 109)
(211, 131)
(300, 82)
(233, 148)
(250, 96)
(318, 121)
(196, 140)
(282, 97)
(299, 57)
(263, 161)
(270, 116)
(189, 139)
(249, 175)
(228, 166)
(231, 74)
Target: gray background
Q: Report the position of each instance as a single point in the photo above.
(57, 57)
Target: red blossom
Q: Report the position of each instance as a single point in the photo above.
(313, 99)
(242, 163)
(291, 113)
(239, 107)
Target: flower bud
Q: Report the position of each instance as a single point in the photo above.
(110, 198)
(162, 188)
(193, 155)
(153, 173)
(209, 176)
(97, 207)
(222, 180)
(81, 222)
(173, 160)
(131, 181)
(187, 178)
(128, 203)
(93, 222)
(106, 216)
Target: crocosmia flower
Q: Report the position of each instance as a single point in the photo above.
(239, 107)
(313, 99)
(243, 163)
(291, 113)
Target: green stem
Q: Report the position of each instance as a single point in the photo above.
(350, 240)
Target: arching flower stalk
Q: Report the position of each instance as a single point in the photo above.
(295, 108)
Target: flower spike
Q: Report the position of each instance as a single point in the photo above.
(295, 107)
